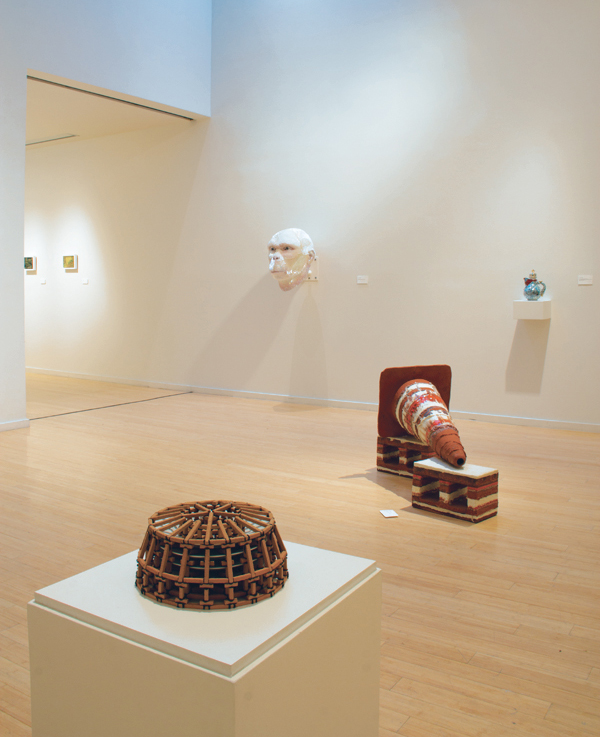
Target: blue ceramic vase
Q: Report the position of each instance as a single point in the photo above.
(534, 289)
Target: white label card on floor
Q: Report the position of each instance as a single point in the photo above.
(388, 513)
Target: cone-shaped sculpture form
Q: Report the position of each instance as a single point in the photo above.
(422, 412)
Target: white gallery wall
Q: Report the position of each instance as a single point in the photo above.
(443, 148)
(133, 48)
(147, 49)
(12, 175)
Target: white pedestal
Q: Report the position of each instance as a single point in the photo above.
(524, 309)
(107, 662)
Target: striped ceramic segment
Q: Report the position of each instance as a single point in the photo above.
(421, 411)
(420, 408)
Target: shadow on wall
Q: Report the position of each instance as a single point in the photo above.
(525, 368)
(242, 341)
(308, 376)
(244, 338)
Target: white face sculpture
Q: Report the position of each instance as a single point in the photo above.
(291, 252)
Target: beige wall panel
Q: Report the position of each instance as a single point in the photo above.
(443, 149)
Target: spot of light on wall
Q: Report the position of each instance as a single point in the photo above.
(75, 232)
(36, 234)
(64, 313)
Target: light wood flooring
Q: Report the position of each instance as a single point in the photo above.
(49, 396)
(488, 630)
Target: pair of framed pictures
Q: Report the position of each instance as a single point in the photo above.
(30, 262)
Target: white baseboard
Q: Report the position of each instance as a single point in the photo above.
(15, 425)
(316, 401)
(340, 403)
(527, 421)
(344, 404)
(110, 379)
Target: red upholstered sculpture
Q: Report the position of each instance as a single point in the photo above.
(421, 411)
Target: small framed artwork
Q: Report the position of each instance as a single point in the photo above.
(69, 262)
(30, 263)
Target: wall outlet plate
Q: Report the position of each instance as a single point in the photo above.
(313, 272)
(364, 279)
(585, 280)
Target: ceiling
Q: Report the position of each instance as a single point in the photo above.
(55, 111)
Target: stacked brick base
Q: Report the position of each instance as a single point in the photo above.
(398, 455)
(469, 493)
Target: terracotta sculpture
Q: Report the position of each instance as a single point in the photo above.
(400, 445)
(211, 555)
(413, 425)
(291, 252)
(468, 493)
(421, 411)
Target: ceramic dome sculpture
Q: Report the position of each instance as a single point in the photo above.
(211, 555)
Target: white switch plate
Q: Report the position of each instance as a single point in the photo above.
(584, 280)
(85, 281)
(42, 281)
(313, 272)
(362, 279)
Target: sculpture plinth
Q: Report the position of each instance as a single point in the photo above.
(398, 455)
(468, 493)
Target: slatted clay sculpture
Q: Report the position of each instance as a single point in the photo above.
(211, 555)
(421, 411)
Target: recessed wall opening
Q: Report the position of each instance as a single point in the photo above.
(94, 167)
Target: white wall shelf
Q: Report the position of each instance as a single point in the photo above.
(524, 309)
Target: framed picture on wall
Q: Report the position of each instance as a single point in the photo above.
(69, 262)
(30, 263)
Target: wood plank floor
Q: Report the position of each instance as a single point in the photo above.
(488, 630)
(48, 396)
